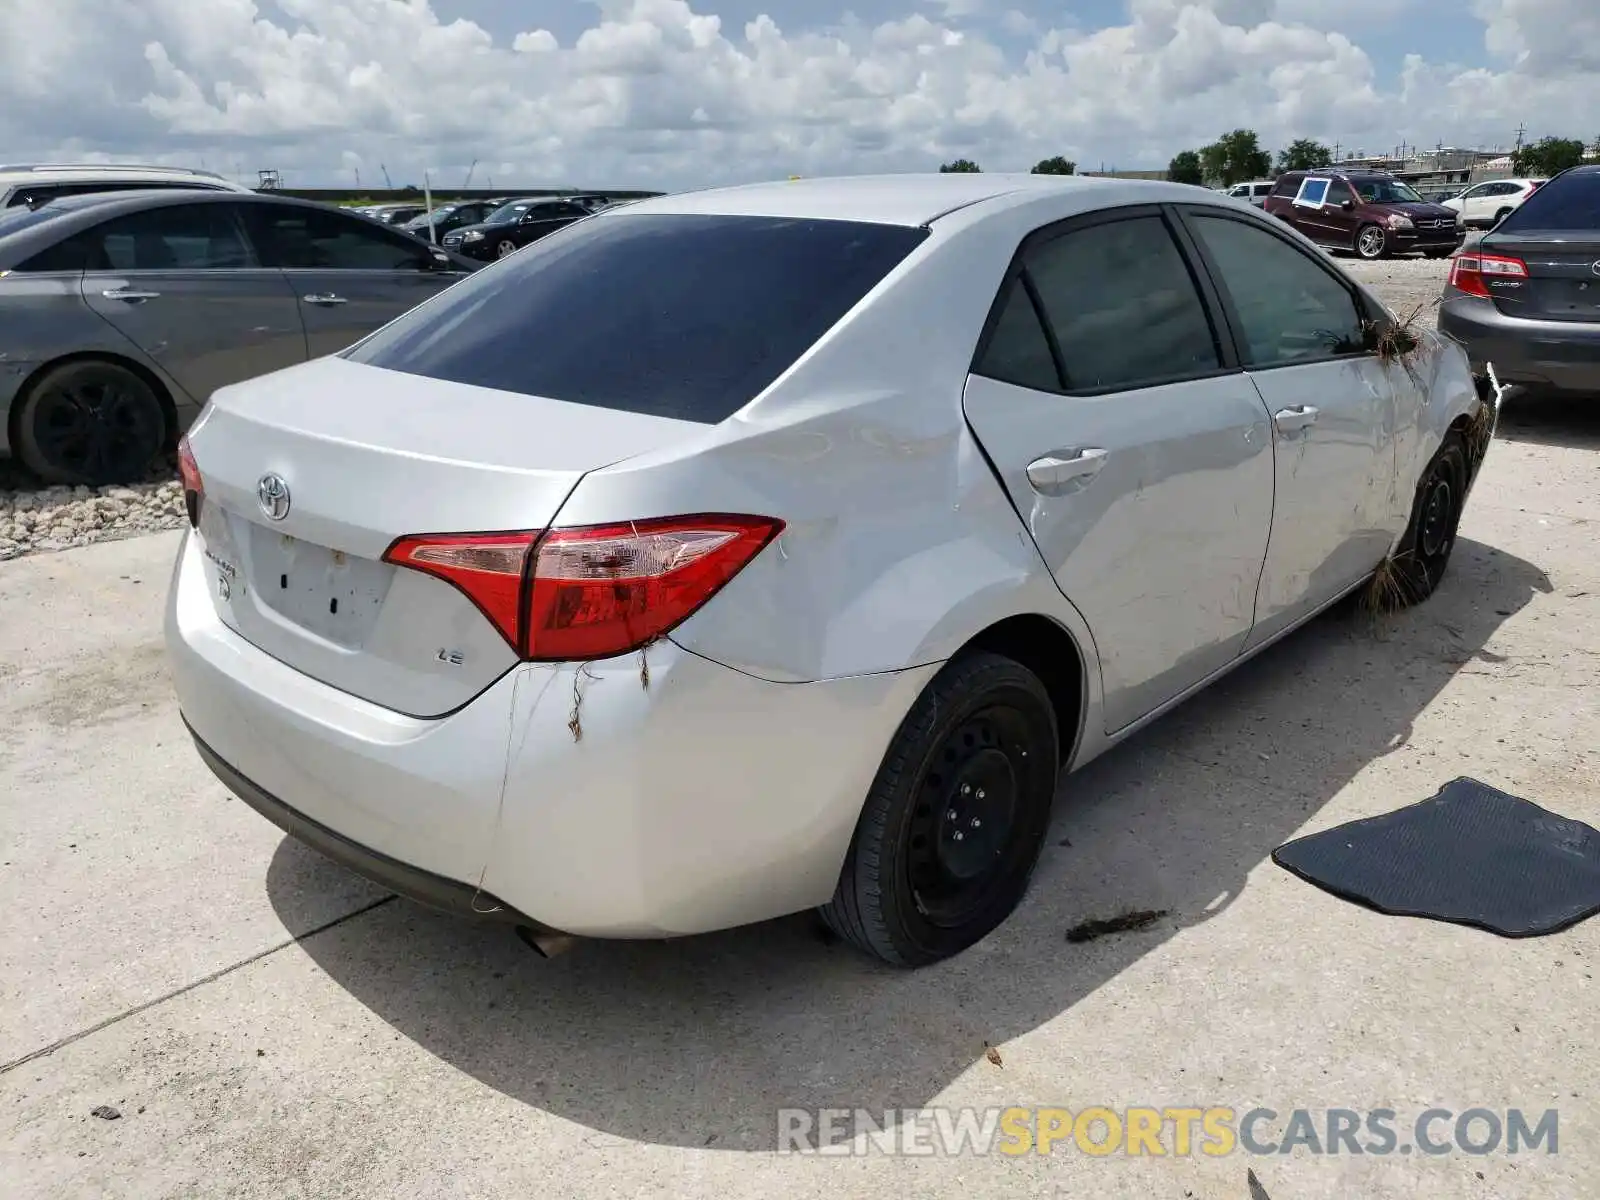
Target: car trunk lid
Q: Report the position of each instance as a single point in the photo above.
(312, 473)
(1563, 280)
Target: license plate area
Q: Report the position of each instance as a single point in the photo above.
(335, 595)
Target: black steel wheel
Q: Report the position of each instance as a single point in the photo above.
(1371, 242)
(956, 818)
(1423, 554)
(90, 422)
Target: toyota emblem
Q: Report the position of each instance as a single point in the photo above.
(273, 493)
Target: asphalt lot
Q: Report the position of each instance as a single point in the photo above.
(267, 1025)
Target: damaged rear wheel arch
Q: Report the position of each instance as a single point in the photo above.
(1051, 653)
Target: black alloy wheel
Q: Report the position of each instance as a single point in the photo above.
(90, 422)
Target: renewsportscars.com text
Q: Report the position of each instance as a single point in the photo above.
(1175, 1131)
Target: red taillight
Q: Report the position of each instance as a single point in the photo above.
(593, 591)
(1471, 272)
(194, 488)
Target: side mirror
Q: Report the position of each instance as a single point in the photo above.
(438, 260)
(1347, 205)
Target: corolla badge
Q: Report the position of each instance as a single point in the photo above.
(273, 493)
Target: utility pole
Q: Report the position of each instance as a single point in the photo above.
(1336, 152)
(1516, 155)
(387, 182)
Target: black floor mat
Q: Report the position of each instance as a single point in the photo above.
(1470, 854)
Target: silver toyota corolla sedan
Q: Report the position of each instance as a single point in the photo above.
(745, 551)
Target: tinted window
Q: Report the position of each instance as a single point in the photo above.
(1570, 201)
(1122, 305)
(1339, 191)
(1288, 185)
(316, 239)
(1018, 351)
(677, 316)
(1290, 308)
(1386, 191)
(188, 237)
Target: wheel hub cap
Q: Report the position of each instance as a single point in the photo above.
(975, 819)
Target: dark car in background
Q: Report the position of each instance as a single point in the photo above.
(1370, 213)
(391, 214)
(1526, 296)
(457, 214)
(120, 313)
(517, 224)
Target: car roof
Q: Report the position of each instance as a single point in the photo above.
(41, 173)
(909, 199)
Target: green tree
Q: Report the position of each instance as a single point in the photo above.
(1185, 168)
(1055, 166)
(1304, 154)
(961, 166)
(1235, 157)
(1549, 156)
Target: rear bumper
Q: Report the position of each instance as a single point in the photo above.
(1558, 355)
(593, 801)
(425, 887)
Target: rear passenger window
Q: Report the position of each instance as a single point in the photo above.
(188, 237)
(1290, 308)
(1122, 305)
(1018, 351)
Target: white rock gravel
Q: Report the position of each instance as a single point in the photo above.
(58, 517)
(34, 519)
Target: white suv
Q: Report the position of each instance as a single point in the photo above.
(1487, 204)
(36, 183)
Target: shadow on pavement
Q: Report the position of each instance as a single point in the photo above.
(1552, 420)
(697, 1042)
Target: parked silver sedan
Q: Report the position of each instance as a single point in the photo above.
(743, 551)
(121, 313)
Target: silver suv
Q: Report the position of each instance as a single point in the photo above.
(36, 183)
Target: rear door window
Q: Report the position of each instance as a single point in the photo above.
(1018, 349)
(684, 316)
(184, 237)
(1122, 306)
(1566, 202)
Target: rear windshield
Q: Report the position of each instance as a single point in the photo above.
(677, 316)
(1567, 202)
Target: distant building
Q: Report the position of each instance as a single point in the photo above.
(1156, 175)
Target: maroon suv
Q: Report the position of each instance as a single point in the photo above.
(1370, 212)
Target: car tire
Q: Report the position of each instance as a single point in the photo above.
(1500, 216)
(1419, 561)
(89, 422)
(504, 247)
(1371, 242)
(953, 825)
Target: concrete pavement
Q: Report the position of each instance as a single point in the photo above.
(267, 1025)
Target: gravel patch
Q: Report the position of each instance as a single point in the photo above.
(34, 519)
(1404, 284)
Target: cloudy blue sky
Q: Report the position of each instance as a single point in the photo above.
(680, 93)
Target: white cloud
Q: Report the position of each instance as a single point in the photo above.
(663, 93)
